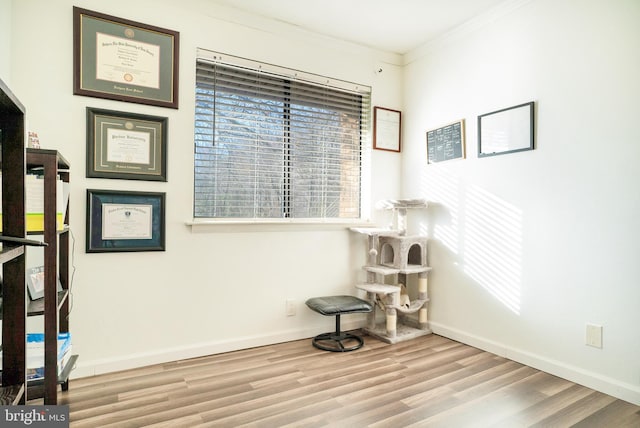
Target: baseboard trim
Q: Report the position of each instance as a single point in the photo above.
(142, 359)
(598, 382)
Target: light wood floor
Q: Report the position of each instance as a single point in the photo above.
(430, 381)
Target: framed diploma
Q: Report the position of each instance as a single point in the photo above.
(386, 129)
(124, 60)
(125, 221)
(126, 145)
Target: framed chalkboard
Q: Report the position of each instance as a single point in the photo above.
(446, 143)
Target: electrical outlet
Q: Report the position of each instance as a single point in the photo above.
(290, 307)
(594, 335)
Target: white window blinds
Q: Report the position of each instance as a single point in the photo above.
(270, 146)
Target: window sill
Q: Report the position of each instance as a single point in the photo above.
(260, 225)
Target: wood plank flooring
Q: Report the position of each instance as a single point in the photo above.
(425, 382)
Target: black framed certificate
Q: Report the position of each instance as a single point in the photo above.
(126, 145)
(124, 60)
(125, 221)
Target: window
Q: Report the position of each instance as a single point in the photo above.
(272, 145)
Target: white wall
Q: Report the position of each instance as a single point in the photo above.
(214, 289)
(528, 248)
(5, 40)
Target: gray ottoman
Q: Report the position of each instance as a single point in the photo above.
(336, 306)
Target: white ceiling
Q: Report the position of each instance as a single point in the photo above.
(396, 26)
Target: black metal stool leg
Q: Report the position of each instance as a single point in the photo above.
(334, 341)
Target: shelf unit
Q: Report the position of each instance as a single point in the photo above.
(12, 254)
(54, 307)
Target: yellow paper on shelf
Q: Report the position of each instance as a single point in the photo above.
(35, 222)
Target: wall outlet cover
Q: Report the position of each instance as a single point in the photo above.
(594, 335)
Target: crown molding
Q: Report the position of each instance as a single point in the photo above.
(463, 30)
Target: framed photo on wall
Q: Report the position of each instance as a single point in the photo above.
(124, 60)
(125, 221)
(386, 129)
(126, 145)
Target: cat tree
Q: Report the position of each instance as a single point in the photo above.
(392, 256)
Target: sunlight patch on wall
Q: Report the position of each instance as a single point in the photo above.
(442, 190)
(493, 246)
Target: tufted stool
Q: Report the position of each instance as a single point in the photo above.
(338, 305)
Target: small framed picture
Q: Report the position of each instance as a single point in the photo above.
(35, 282)
(386, 129)
(125, 221)
(126, 145)
(124, 60)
